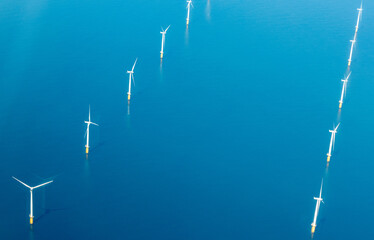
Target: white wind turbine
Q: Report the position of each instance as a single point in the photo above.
(319, 200)
(163, 41)
(88, 128)
(332, 142)
(189, 3)
(131, 76)
(344, 89)
(31, 202)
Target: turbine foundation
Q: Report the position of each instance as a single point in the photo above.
(162, 55)
(328, 158)
(128, 96)
(87, 150)
(313, 229)
(31, 220)
(340, 105)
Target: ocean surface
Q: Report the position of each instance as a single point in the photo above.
(226, 138)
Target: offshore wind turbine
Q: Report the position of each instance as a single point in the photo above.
(88, 128)
(163, 41)
(31, 199)
(350, 54)
(344, 89)
(359, 16)
(131, 77)
(319, 200)
(189, 2)
(332, 142)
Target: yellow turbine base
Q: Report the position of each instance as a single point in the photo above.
(86, 149)
(328, 158)
(188, 21)
(349, 63)
(31, 220)
(162, 55)
(313, 229)
(340, 105)
(128, 97)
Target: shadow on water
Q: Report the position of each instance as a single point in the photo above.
(128, 108)
(99, 145)
(31, 233)
(128, 115)
(326, 170)
(338, 116)
(48, 211)
(186, 35)
(322, 223)
(87, 169)
(161, 73)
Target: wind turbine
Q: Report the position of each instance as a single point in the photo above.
(31, 203)
(350, 55)
(131, 76)
(88, 129)
(163, 41)
(189, 2)
(344, 89)
(332, 142)
(319, 200)
(359, 16)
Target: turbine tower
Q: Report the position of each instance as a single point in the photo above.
(131, 77)
(319, 200)
(332, 142)
(163, 41)
(189, 2)
(359, 16)
(350, 54)
(344, 89)
(31, 202)
(88, 129)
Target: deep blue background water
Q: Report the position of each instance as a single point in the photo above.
(226, 139)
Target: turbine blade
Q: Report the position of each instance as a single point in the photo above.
(22, 182)
(134, 65)
(85, 133)
(348, 76)
(167, 28)
(133, 79)
(89, 113)
(320, 192)
(95, 124)
(43, 184)
(337, 127)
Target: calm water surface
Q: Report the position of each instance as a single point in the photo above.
(225, 139)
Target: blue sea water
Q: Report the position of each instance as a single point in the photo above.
(226, 138)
